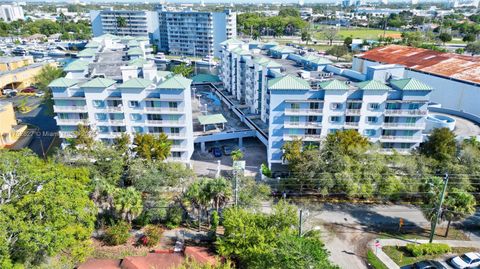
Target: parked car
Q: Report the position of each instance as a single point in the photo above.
(227, 150)
(467, 260)
(28, 90)
(216, 152)
(39, 94)
(428, 265)
(8, 91)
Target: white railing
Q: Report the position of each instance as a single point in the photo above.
(302, 124)
(405, 112)
(66, 134)
(352, 123)
(117, 121)
(403, 125)
(69, 108)
(163, 109)
(401, 137)
(166, 122)
(303, 111)
(352, 111)
(114, 108)
(302, 136)
(71, 121)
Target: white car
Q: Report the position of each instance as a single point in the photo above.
(39, 94)
(467, 260)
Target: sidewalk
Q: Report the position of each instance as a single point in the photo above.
(402, 242)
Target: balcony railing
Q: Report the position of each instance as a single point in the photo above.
(352, 123)
(117, 121)
(303, 111)
(163, 109)
(305, 137)
(69, 108)
(352, 111)
(114, 108)
(71, 121)
(405, 112)
(400, 137)
(294, 124)
(166, 122)
(66, 134)
(403, 125)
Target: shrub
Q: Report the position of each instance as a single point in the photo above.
(428, 249)
(174, 216)
(117, 234)
(151, 235)
(265, 170)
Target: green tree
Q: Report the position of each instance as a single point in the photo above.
(152, 147)
(337, 51)
(347, 41)
(289, 12)
(127, 203)
(347, 142)
(473, 48)
(83, 137)
(440, 145)
(330, 33)
(458, 205)
(306, 36)
(45, 210)
(122, 142)
(237, 155)
(47, 75)
(469, 38)
(121, 22)
(183, 69)
(445, 37)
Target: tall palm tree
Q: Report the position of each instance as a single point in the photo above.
(237, 155)
(128, 203)
(219, 191)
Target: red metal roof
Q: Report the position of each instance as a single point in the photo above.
(451, 65)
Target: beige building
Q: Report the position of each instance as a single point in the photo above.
(19, 72)
(10, 131)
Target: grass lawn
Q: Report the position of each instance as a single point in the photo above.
(402, 257)
(453, 234)
(374, 261)
(362, 33)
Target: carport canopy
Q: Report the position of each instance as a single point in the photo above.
(211, 119)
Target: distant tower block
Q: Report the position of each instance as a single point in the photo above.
(231, 3)
(202, 3)
(301, 2)
(385, 2)
(414, 2)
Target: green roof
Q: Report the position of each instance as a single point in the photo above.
(206, 78)
(139, 62)
(98, 83)
(77, 65)
(175, 82)
(127, 37)
(373, 85)
(231, 41)
(212, 119)
(142, 38)
(282, 49)
(317, 60)
(133, 43)
(288, 82)
(410, 84)
(87, 53)
(271, 64)
(92, 44)
(136, 83)
(334, 85)
(135, 51)
(241, 51)
(260, 60)
(164, 74)
(106, 36)
(62, 83)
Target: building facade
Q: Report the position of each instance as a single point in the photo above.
(10, 130)
(136, 23)
(306, 97)
(139, 100)
(9, 13)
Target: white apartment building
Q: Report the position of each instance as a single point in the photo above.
(134, 23)
(129, 96)
(9, 13)
(305, 97)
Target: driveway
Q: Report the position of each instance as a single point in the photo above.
(47, 129)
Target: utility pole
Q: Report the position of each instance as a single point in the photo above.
(439, 207)
(236, 186)
(300, 223)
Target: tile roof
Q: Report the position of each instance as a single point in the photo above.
(282, 49)
(133, 43)
(175, 82)
(139, 62)
(231, 41)
(334, 85)
(77, 65)
(62, 83)
(410, 84)
(136, 83)
(288, 82)
(92, 44)
(98, 83)
(373, 85)
(317, 60)
(211, 119)
(87, 53)
(241, 51)
(461, 67)
(135, 51)
(163, 74)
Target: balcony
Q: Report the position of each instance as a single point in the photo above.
(352, 112)
(399, 138)
(169, 123)
(294, 111)
(71, 121)
(179, 148)
(305, 124)
(351, 124)
(69, 108)
(167, 110)
(117, 121)
(303, 137)
(66, 134)
(113, 108)
(403, 125)
(405, 112)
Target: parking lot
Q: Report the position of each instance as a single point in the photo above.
(206, 164)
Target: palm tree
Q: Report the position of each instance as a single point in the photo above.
(128, 203)
(219, 191)
(237, 155)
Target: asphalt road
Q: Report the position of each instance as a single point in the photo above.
(47, 128)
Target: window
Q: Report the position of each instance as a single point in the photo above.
(354, 105)
(335, 119)
(172, 104)
(133, 104)
(335, 106)
(313, 119)
(294, 118)
(98, 103)
(176, 154)
(101, 116)
(332, 131)
(413, 106)
(136, 117)
(137, 129)
(174, 130)
(295, 106)
(370, 132)
(314, 105)
(374, 106)
(393, 106)
(372, 119)
(102, 129)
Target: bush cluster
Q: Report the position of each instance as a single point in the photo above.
(117, 234)
(174, 216)
(151, 235)
(427, 249)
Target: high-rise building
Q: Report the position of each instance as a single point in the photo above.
(113, 89)
(414, 2)
(9, 13)
(124, 23)
(194, 33)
